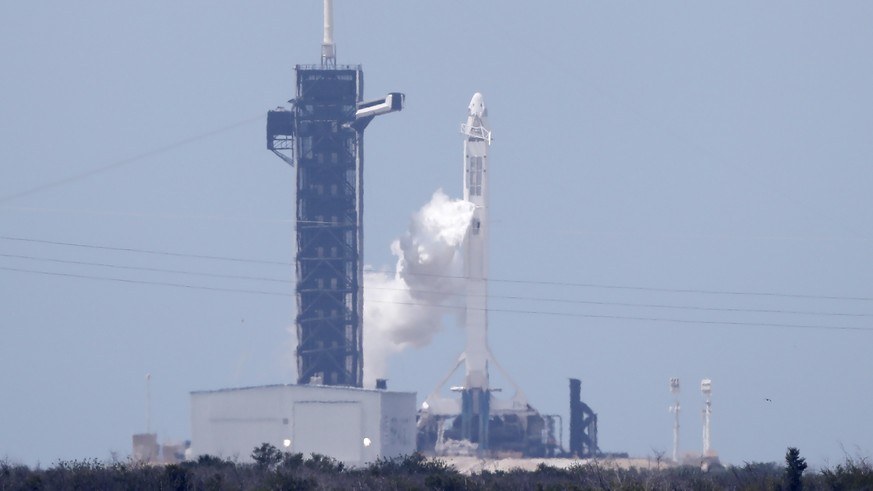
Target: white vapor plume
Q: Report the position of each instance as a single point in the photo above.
(406, 307)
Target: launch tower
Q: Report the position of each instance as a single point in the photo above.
(322, 136)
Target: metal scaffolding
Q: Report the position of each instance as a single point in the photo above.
(320, 138)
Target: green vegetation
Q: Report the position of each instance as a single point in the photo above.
(277, 470)
(794, 467)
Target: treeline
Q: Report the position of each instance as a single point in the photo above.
(274, 469)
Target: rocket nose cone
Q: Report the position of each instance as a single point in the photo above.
(477, 105)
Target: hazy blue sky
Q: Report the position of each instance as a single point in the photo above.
(644, 153)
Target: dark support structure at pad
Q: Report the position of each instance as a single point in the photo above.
(583, 424)
(327, 151)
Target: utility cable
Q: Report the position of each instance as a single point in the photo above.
(455, 307)
(129, 160)
(651, 289)
(631, 304)
(646, 319)
(135, 214)
(491, 280)
(144, 268)
(145, 251)
(144, 282)
(452, 294)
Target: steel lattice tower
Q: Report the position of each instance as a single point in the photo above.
(322, 136)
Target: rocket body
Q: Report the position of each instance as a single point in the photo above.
(471, 418)
(477, 140)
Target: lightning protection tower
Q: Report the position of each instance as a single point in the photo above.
(322, 136)
(706, 389)
(674, 408)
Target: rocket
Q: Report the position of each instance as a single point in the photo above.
(477, 140)
(477, 405)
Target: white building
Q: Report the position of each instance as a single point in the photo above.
(354, 426)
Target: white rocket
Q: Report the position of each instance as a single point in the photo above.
(476, 356)
(477, 139)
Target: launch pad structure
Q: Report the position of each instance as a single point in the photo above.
(328, 411)
(479, 422)
(322, 136)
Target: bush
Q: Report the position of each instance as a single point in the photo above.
(281, 471)
(266, 456)
(794, 467)
(855, 473)
(415, 463)
(324, 464)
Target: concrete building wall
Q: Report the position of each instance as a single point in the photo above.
(397, 429)
(334, 428)
(355, 426)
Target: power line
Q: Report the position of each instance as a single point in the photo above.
(136, 214)
(674, 307)
(490, 310)
(129, 160)
(648, 289)
(647, 319)
(491, 280)
(145, 251)
(143, 268)
(144, 282)
(453, 294)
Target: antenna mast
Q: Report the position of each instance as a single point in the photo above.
(148, 403)
(328, 48)
(706, 388)
(674, 389)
